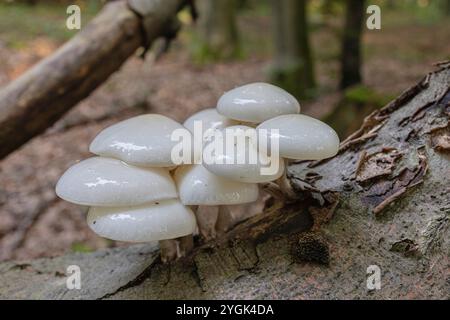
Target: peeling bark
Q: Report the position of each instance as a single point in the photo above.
(383, 200)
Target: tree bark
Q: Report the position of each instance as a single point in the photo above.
(351, 44)
(293, 67)
(42, 95)
(217, 30)
(383, 200)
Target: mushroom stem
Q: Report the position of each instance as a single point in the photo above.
(186, 244)
(284, 183)
(206, 221)
(224, 221)
(281, 188)
(168, 250)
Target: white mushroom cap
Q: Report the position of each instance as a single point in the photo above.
(101, 181)
(198, 186)
(143, 140)
(250, 172)
(163, 220)
(257, 102)
(302, 137)
(210, 118)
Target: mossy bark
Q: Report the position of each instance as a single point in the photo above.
(383, 200)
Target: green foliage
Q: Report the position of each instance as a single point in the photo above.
(357, 102)
(81, 247)
(21, 23)
(291, 78)
(362, 95)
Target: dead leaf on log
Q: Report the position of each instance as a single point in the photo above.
(440, 138)
(377, 164)
(379, 195)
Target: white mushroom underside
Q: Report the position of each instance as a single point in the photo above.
(198, 186)
(143, 140)
(302, 137)
(257, 102)
(102, 181)
(168, 219)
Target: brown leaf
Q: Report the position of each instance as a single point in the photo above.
(376, 164)
(440, 138)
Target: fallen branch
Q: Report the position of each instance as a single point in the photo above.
(37, 99)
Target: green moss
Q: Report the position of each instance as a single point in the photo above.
(361, 94)
(81, 247)
(357, 102)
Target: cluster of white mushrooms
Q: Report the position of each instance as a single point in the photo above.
(137, 193)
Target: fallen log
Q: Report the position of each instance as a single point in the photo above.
(42, 95)
(380, 205)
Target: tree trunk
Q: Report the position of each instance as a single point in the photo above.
(351, 44)
(381, 201)
(37, 99)
(217, 30)
(292, 68)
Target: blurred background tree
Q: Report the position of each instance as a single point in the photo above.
(351, 43)
(293, 67)
(217, 34)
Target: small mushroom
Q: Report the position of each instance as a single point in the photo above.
(99, 181)
(245, 146)
(143, 140)
(210, 119)
(167, 219)
(198, 186)
(302, 137)
(257, 102)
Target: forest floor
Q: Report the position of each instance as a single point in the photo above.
(34, 223)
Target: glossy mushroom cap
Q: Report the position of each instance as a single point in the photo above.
(302, 137)
(143, 140)
(210, 118)
(251, 171)
(101, 181)
(198, 186)
(257, 102)
(167, 219)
